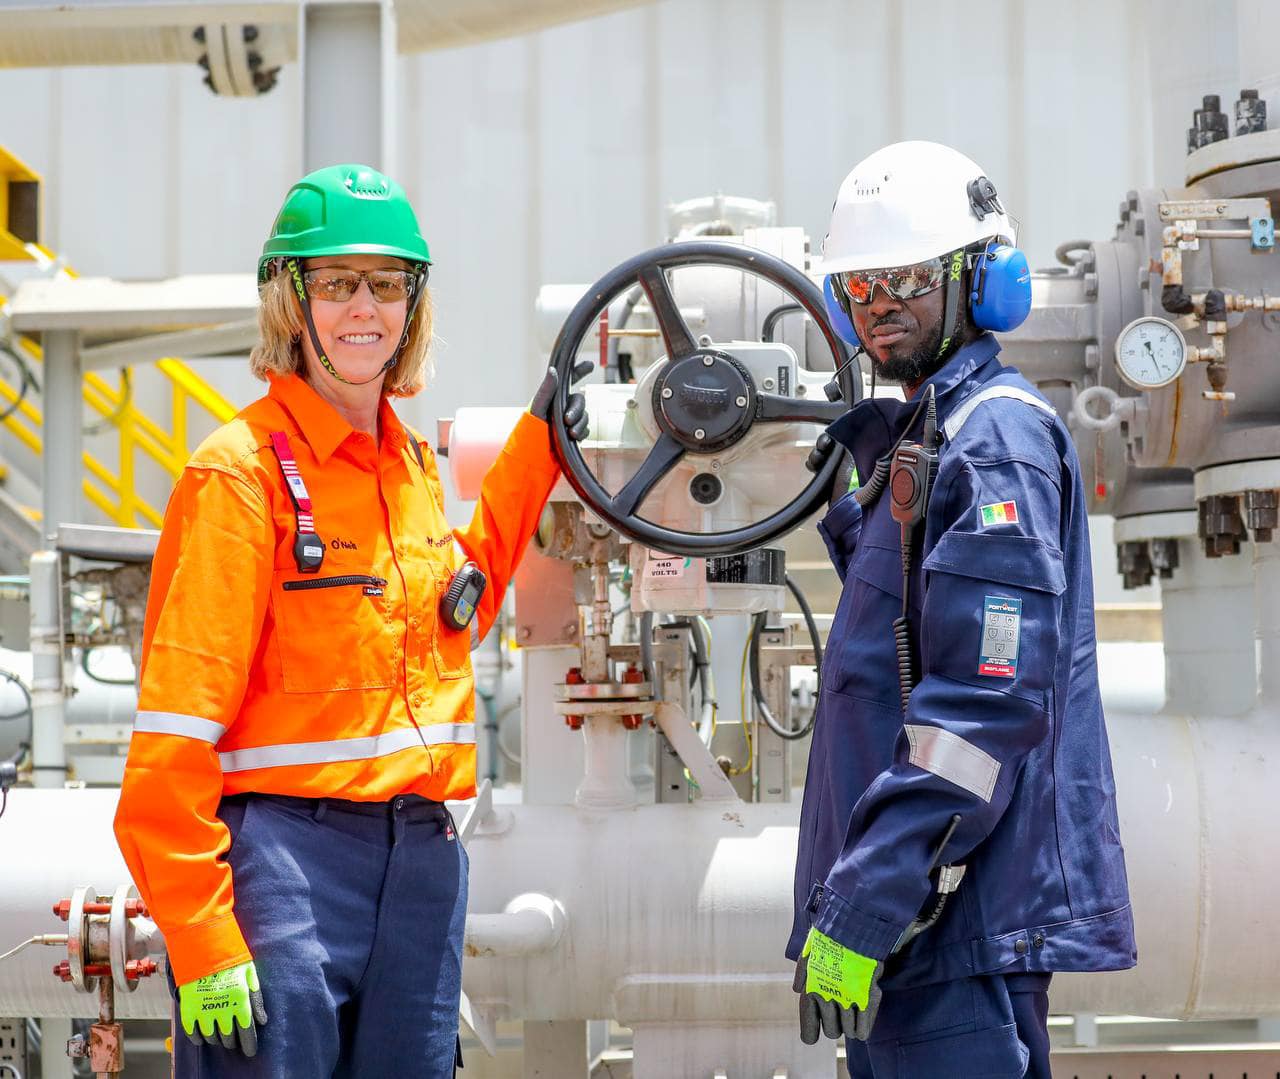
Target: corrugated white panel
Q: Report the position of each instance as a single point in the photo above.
(549, 157)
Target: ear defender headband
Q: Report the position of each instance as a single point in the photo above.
(1000, 288)
(419, 287)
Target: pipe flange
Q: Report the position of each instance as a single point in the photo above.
(1238, 477)
(604, 691)
(604, 708)
(78, 939)
(118, 931)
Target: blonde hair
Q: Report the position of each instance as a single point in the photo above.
(280, 330)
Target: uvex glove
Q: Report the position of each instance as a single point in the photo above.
(221, 1007)
(839, 994)
(575, 412)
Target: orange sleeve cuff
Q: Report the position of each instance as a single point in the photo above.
(206, 948)
(530, 444)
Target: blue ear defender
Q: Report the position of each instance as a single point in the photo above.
(839, 316)
(1000, 296)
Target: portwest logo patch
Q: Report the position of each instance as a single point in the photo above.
(1001, 633)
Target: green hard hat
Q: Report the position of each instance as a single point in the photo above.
(344, 210)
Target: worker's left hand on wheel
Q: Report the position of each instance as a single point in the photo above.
(575, 412)
(839, 994)
(224, 1008)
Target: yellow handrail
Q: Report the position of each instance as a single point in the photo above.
(116, 494)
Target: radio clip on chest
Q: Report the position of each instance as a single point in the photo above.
(912, 471)
(308, 547)
(462, 597)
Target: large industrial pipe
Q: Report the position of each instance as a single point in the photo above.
(662, 912)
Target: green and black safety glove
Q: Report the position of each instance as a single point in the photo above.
(839, 990)
(224, 1008)
(575, 412)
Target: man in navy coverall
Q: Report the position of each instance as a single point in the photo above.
(997, 773)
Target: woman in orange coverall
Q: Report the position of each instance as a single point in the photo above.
(305, 706)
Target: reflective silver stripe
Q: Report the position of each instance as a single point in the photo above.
(346, 749)
(952, 758)
(203, 730)
(957, 419)
(475, 632)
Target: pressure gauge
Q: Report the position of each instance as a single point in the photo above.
(1150, 353)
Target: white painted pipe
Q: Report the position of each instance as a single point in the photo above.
(530, 925)
(607, 783)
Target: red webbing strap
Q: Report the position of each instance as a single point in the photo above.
(293, 480)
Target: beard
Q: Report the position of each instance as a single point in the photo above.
(917, 365)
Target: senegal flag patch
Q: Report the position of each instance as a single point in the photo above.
(999, 513)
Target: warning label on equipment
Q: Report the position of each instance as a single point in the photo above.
(665, 567)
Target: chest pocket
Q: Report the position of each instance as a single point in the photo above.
(333, 630)
(450, 648)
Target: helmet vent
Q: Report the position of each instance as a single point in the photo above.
(368, 184)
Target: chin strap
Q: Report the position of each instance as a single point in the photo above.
(295, 273)
(952, 294)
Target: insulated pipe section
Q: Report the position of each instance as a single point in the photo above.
(531, 924)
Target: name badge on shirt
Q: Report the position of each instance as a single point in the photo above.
(1001, 630)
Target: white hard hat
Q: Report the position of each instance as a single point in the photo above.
(910, 202)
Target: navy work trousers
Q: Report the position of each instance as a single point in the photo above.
(992, 1026)
(354, 913)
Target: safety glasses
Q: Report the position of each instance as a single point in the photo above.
(900, 282)
(339, 285)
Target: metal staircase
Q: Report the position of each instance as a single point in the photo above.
(139, 441)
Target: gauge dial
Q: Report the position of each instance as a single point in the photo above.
(1150, 353)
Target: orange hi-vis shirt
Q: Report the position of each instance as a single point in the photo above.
(341, 683)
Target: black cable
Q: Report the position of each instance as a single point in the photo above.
(126, 399)
(26, 693)
(27, 382)
(757, 696)
(902, 629)
(84, 666)
(902, 624)
(811, 624)
(874, 487)
(772, 319)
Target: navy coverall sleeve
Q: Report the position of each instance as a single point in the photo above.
(988, 637)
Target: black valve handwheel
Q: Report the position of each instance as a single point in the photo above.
(704, 401)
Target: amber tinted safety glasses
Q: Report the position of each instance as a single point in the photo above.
(338, 285)
(900, 282)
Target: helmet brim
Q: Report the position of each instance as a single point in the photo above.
(327, 251)
(886, 259)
